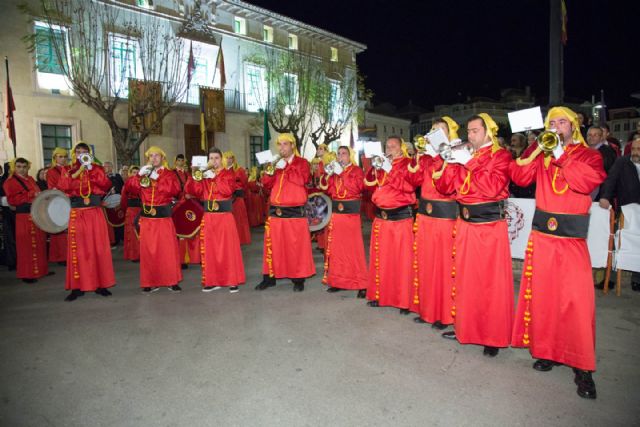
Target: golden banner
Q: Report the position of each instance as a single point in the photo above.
(213, 106)
(145, 100)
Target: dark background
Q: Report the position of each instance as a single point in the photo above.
(439, 52)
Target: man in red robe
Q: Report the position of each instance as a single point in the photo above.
(287, 242)
(189, 247)
(344, 262)
(255, 201)
(130, 202)
(31, 242)
(239, 205)
(391, 257)
(437, 215)
(58, 241)
(556, 306)
(89, 263)
(222, 264)
(159, 256)
(482, 290)
(317, 172)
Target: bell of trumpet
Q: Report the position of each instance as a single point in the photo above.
(420, 142)
(270, 168)
(145, 181)
(85, 159)
(548, 141)
(377, 162)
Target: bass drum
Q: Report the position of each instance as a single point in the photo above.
(318, 211)
(187, 216)
(50, 211)
(113, 211)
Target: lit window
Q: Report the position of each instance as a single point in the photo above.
(50, 45)
(267, 34)
(256, 87)
(239, 25)
(204, 73)
(293, 42)
(255, 146)
(334, 97)
(334, 54)
(124, 63)
(289, 92)
(54, 136)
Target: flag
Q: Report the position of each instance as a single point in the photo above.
(352, 142)
(266, 139)
(563, 8)
(191, 66)
(10, 108)
(203, 126)
(220, 68)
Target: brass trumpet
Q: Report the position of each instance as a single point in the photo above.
(198, 174)
(270, 169)
(378, 161)
(420, 142)
(85, 159)
(145, 181)
(548, 141)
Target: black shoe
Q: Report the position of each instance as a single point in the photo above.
(544, 365)
(103, 291)
(373, 304)
(51, 273)
(635, 286)
(419, 320)
(150, 289)
(450, 335)
(184, 266)
(490, 351)
(175, 288)
(76, 293)
(63, 263)
(29, 280)
(438, 325)
(362, 293)
(298, 285)
(600, 285)
(267, 282)
(585, 383)
(332, 290)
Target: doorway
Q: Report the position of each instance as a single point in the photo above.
(192, 142)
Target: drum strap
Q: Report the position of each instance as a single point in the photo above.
(179, 179)
(23, 208)
(21, 182)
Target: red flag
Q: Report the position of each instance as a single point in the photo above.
(191, 65)
(10, 108)
(563, 36)
(220, 68)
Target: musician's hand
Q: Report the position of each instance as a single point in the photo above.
(558, 151)
(4, 202)
(209, 174)
(154, 175)
(430, 151)
(77, 173)
(282, 163)
(145, 170)
(460, 156)
(386, 164)
(604, 204)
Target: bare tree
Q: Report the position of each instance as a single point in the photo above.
(102, 50)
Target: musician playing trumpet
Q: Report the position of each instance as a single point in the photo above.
(287, 242)
(555, 318)
(89, 263)
(159, 257)
(345, 266)
(31, 242)
(221, 257)
(58, 241)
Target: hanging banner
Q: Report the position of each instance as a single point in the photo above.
(214, 114)
(145, 100)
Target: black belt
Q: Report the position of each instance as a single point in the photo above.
(482, 212)
(345, 206)
(91, 201)
(397, 214)
(23, 208)
(562, 225)
(133, 203)
(218, 206)
(287, 211)
(447, 209)
(163, 211)
(238, 193)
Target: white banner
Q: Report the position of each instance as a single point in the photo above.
(520, 215)
(628, 239)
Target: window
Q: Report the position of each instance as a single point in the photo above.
(267, 34)
(255, 84)
(626, 126)
(289, 90)
(145, 3)
(239, 25)
(334, 54)
(47, 39)
(334, 96)
(616, 128)
(293, 42)
(124, 63)
(255, 146)
(54, 136)
(401, 131)
(133, 137)
(204, 74)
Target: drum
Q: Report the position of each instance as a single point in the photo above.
(187, 216)
(318, 211)
(112, 201)
(50, 211)
(115, 216)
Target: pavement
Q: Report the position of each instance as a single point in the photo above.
(279, 358)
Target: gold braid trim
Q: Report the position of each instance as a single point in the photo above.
(438, 174)
(523, 162)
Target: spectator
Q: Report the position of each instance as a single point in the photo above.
(583, 122)
(611, 140)
(124, 172)
(116, 188)
(41, 179)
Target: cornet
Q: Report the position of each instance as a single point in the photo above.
(145, 181)
(548, 141)
(420, 142)
(378, 161)
(270, 169)
(446, 150)
(85, 159)
(198, 174)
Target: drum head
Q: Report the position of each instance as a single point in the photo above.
(318, 211)
(50, 211)
(187, 217)
(112, 201)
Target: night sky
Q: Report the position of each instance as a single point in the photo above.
(440, 52)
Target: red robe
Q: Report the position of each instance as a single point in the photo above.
(315, 186)
(158, 241)
(189, 248)
(345, 266)
(556, 306)
(58, 241)
(432, 246)
(31, 242)
(391, 272)
(255, 204)
(287, 242)
(483, 280)
(89, 263)
(240, 208)
(131, 242)
(220, 245)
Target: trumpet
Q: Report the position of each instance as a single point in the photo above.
(331, 167)
(145, 181)
(85, 159)
(378, 161)
(270, 169)
(198, 174)
(420, 142)
(548, 141)
(446, 150)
